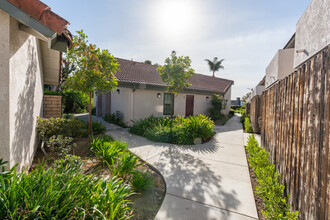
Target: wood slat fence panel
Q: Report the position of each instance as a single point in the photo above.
(295, 124)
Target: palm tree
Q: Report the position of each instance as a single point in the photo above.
(215, 65)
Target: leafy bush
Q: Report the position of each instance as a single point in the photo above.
(107, 151)
(48, 127)
(217, 104)
(49, 92)
(231, 112)
(98, 127)
(177, 130)
(74, 101)
(142, 181)
(195, 127)
(235, 107)
(247, 125)
(72, 127)
(67, 163)
(269, 186)
(111, 118)
(59, 145)
(124, 165)
(49, 194)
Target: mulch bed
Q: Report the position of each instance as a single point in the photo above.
(145, 205)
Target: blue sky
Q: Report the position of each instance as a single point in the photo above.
(247, 34)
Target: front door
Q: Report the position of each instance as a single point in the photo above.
(189, 105)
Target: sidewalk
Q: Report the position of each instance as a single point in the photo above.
(206, 181)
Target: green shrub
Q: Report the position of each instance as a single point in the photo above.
(124, 164)
(247, 125)
(75, 101)
(235, 107)
(48, 127)
(49, 194)
(231, 112)
(59, 145)
(98, 127)
(107, 151)
(193, 127)
(111, 118)
(178, 130)
(68, 163)
(48, 92)
(217, 104)
(269, 187)
(142, 181)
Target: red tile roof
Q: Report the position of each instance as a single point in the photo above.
(42, 13)
(136, 72)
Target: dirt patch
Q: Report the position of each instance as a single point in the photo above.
(145, 205)
(258, 200)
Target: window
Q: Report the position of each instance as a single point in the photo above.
(168, 104)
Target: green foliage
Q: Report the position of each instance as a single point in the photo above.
(176, 72)
(111, 118)
(148, 62)
(247, 125)
(269, 186)
(215, 65)
(217, 105)
(106, 150)
(50, 194)
(98, 127)
(142, 181)
(59, 145)
(238, 109)
(48, 127)
(67, 163)
(75, 101)
(48, 92)
(178, 130)
(231, 112)
(95, 69)
(124, 164)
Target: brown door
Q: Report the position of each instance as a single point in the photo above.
(189, 105)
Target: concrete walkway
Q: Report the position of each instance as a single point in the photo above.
(206, 181)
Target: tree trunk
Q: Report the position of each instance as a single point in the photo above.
(90, 114)
(213, 73)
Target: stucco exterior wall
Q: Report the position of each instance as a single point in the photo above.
(26, 93)
(280, 66)
(312, 30)
(122, 102)
(257, 91)
(51, 64)
(227, 98)
(4, 85)
(142, 103)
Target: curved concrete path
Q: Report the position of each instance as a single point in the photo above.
(206, 181)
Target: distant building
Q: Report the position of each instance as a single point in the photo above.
(238, 101)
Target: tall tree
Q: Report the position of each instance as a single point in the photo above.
(176, 72)
(95, 69)
(215, 65)
(147, 62)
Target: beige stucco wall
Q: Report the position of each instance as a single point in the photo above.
(51, 63)
(312, 30)
(227, 98)
(280, 66)
(4, 85)
(257, 91)
(26, 93)
(142, 103)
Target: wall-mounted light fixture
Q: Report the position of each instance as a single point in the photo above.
(118, 90)
(207, 98)
(158, 95)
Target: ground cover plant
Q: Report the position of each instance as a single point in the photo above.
(247, 125)
(111, 118)
(61, 192)
(177, 130)
(103, 184)
(269, 187)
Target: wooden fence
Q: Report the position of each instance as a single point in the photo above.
(295, 130)
(255, 113)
